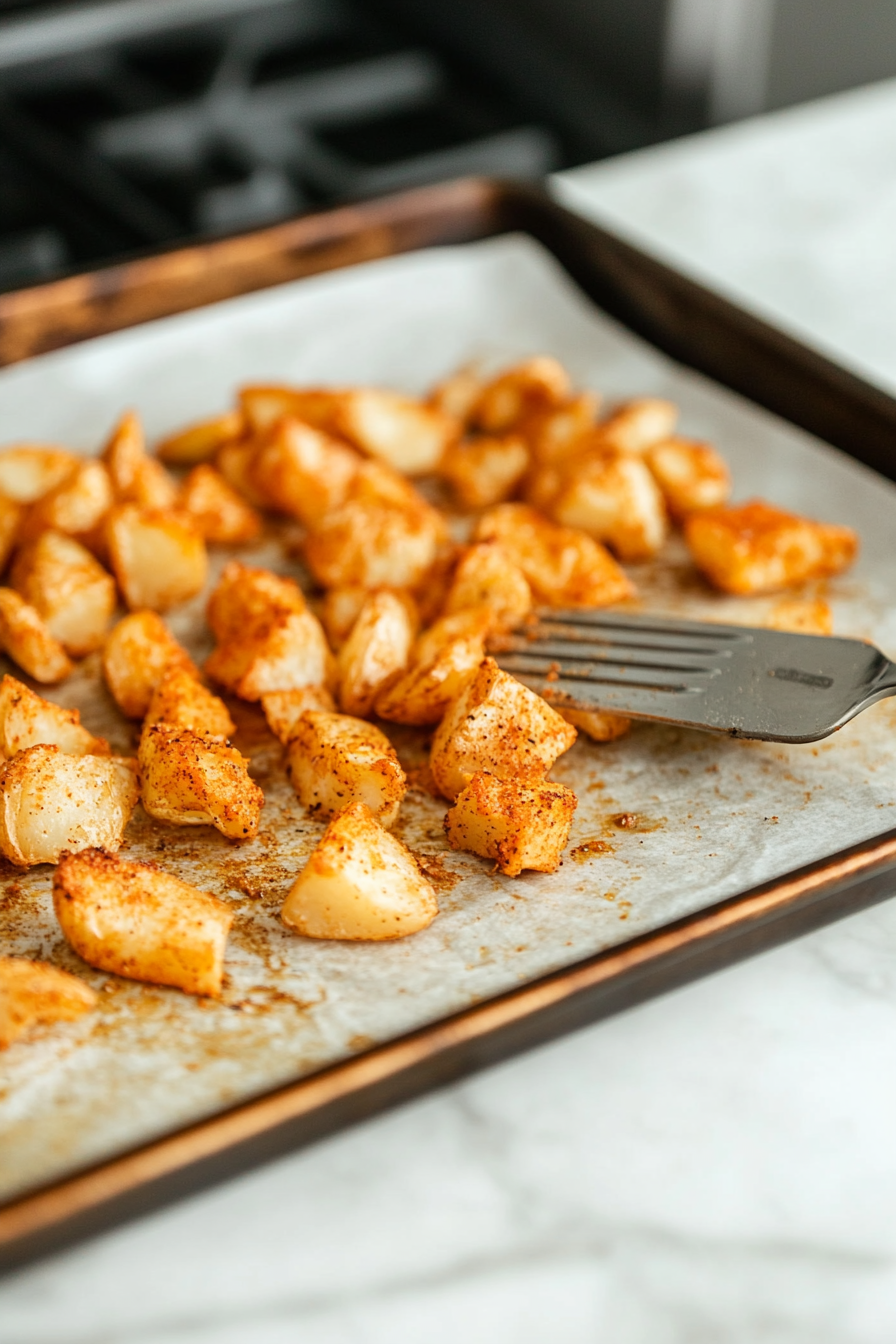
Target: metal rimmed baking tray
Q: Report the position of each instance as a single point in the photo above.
(593, 967)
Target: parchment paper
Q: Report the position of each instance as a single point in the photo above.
(713, 816)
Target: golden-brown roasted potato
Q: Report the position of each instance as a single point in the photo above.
(484, 470)
(518, 827)
(801, 616)
(691, 475)
(263, 405)
(535, 384)
(360, 883)
(246, 595)
(284, 709)
(457, 394)
(487, 577)
(638, 424)
(50, 802)
(339, 610)
(29, 470)
(33, 993)
(442, 660)
(498, 725)
(614, 498)
(68, 588)
(375, 653)
(135, 920)
(27, 641)
(374, 546)
(377, 483)
(26, 720)
(179, 700)
(333, 760)
(199, 442)
(236, 462)
(76, 506)
(302, 471)
(757, 548)
(158, 556)
(284, 653)
(136, 478)
(197, 779)
(407, 434)
(556, 432)
(136, 655)
(601, 725)
(11, 518)
(564, 567)
(218, 511)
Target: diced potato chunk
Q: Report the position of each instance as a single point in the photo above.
(200, 442)
(302, 471)
(179, 700)
(373, 546)
(247, 595)
(135, 920)
(218, 511)
(158, 556)
(26, 639)
(68, 589)
(405, 433)
(360, 883)
(757, 548)
(32, 994)
(236, 463)
(11, 518)
(692, 476)
(339, 610)
(26, 720)
(334, 760)
(457, 394)
(375, 653)
(285, 653)
(77, 505)
(563, 566)
(284, 709)
(29, 470)
(555, 433)
(638, 424)
(137, 653)
(51, 802)
(535, 384)
(484, 470)
(196, 779)
(601, 725)
(498, 725)
(518, 827)
(614, 498)
(487, 577)
(802, 616)
(375, 482)
(263, 405)
(442, 660)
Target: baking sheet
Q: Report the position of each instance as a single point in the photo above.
(713, 816)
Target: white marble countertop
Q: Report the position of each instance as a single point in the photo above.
(717, 1167)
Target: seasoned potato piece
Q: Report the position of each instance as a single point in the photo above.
(375, 653)
(264, 405)
(535, 384)
(614, 498)
(246, 595)
(136, 478)
(691, 475)
(50, 802)
(32, 993)
(200, 442)
(333, 760)
(136, 920)
(283, 709)
(158, 556)
(484, 470)
(29, 470)
(373, 546)
(68, 589)
(236, 463)
(11, 518)
(196, 779)
(554, 433)
(137, 653)
(26, 720)
(498, 725)
(399, 430)
(339, 610)
(302, 471)
(801, 616)
(375, 482)
(179, 700)
(285, 652)
(76, 506)
(442, 660)
(431, 593)
(487, 577)
(757, 548)
(601, 725)
(457, 394)
(28, 642)
(218, 511)
(637, 425)
(518, 827)
(360, 883)
(564, 567)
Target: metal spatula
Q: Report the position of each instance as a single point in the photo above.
(724, 678)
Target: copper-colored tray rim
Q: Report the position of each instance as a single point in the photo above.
(680, 317)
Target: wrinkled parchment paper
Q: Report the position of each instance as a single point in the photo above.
(711, 817)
